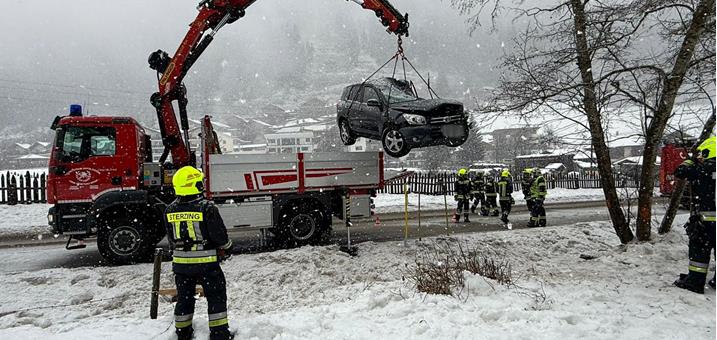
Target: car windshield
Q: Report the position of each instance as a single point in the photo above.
(399, 91)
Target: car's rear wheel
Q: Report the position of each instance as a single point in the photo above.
(394, 143)
(347, 136)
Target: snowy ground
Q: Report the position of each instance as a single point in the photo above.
(23, 221)
(320, 293)
(386, 203)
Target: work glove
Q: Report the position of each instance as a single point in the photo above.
(223, 254)
(455, 197)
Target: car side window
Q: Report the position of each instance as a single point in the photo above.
(369, 93)
(355, 93)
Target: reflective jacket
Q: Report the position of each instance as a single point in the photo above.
(538, 189)
(505, 188)
(195, 231)
(477, 185)
(463, 187)
(525, 184)
(489, 187)
(702, 179)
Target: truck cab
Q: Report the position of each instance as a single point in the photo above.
(95, 170)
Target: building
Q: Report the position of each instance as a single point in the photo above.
(543, 160)
(290, 140)
(507, 144)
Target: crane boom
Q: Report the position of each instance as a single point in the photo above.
(213, 15)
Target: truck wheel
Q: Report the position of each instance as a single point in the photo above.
(125, 240)
(394, 143)
(302, 224)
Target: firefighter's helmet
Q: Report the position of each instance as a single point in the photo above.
(707, 148)
(505, 173)
(462, 172)
(187, 181)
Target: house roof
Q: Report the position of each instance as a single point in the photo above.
(555, 166)
(637, 160)
(34, 156)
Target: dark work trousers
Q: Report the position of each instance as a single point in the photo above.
(492, 208)
(214, 284)
(537, 214)
(505, 208)
(702, 241)
(463, 207)
(479, 200)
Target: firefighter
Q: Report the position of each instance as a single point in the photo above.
(199, 241)
(538, 191)
(525, 184)
(505, 197)
(478, 193)
(701, 226)
(463, 192)
(491, 195)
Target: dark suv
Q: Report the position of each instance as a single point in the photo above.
(390, 111)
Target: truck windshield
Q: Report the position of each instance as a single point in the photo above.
(76, 143)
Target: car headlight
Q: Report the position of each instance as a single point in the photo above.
(414, 119)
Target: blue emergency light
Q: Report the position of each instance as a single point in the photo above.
(75, 110)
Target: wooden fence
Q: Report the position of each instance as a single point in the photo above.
(25, 188)
(437, 183)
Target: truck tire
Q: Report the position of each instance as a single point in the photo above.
(126, 240)
(302, 223)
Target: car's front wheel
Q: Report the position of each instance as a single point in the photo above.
(394, 143)
(347, 136)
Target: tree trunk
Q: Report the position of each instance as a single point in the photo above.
(679, 186)
(622, 229)
(671, 85)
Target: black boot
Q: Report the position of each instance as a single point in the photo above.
(465, 219)
(690, 283)
(473, 209)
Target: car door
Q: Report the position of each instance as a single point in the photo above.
(370, 115)
(354, 108)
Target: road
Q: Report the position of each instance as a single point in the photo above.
(50, 252)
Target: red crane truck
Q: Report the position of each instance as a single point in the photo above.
(102, 181)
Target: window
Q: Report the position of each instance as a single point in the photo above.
(355, 93)
(271, 141)
(81, 143)
(304, 149)
(288, 141)
(359, 148)
(307, 140)
(369, 93)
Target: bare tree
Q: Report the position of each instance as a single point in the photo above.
(586, 62)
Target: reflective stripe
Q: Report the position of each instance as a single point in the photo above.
(217, 316)
(697, 269)
(187, 317)
(194, 254)
(182, 324)
(228, 245)
(217, 323)
(708, 216)
(194, 260)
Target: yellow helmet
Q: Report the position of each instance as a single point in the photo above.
(528, 171)
(187, 181)
(462, 172)
(505, 173)
(707, 148)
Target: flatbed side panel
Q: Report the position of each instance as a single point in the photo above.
(232, 173)
(243, 175)
(342, 170)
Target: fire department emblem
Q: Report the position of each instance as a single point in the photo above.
(85, 176)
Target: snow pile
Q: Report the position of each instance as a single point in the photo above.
(388, 203)
(23, 221)
(321, 293)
